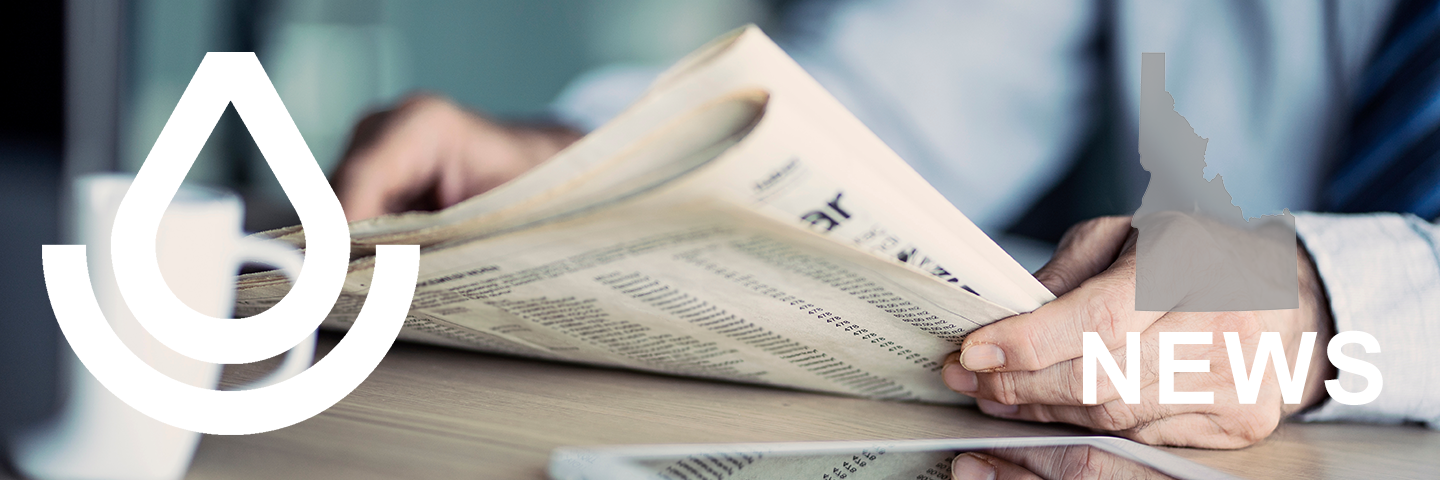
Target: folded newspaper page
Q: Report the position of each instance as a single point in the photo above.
(734, 223)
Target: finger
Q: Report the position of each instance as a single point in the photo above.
(355, 176)
(356, 195)
(1074, 462)
(368, 180)
(1118, 416)
(394, 156)
(1104, 304)
(357, 190)
(385, 180)
(1062, 383)
(979, 466)
(1112, 416)
(1085, 250)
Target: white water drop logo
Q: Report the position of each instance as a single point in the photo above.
(223, 79)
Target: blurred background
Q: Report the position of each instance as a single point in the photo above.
(333, 61)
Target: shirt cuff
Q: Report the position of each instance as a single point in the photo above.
(1382, 274)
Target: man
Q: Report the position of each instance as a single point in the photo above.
(989, 101)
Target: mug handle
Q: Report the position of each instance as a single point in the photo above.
(288, 260)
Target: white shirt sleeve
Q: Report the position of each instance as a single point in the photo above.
(986, 100)
(1382, 274)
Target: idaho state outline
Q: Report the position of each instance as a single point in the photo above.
(1196, 251)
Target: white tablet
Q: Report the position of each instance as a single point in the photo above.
(866, 460)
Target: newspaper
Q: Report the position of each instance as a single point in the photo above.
(735, 223)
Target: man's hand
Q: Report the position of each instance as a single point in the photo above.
(428, 154)
(1028, 367)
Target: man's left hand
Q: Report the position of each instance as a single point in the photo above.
(1028, 367)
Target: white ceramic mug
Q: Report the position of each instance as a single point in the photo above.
(200, 247)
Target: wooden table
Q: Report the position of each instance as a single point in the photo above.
(430, 412)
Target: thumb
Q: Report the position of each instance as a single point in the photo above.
(1087, 249)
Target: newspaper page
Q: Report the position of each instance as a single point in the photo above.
(787, 168)
(705, 289)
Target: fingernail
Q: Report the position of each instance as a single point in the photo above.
(959, 379)
(982, 357)
(996, 408)
(971, 467)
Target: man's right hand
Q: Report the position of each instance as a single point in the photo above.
(427, 153)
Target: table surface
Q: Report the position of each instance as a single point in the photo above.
(431, 412)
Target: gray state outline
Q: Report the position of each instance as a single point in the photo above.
(1196, 251)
